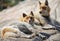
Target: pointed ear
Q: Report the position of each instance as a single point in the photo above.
(39, 3)
(32, 13)
(46, 2)
(24, 15)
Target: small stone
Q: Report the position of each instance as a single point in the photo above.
(47, 27)
(37, 39)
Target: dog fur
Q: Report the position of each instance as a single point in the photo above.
(44, 9)
(6, 29)
(29, 18)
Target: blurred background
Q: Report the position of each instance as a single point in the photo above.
(8, 3)
(11, 10)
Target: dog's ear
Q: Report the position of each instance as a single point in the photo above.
(32, 13)
(46, 2)
(39, 3)
(24, 15)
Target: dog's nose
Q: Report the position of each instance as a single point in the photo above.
(40, 12)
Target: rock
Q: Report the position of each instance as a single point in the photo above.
(41, 37)
(50, 32)
(55, 37)
(16, 39)
(37, 39)
(47, 27)
(44, 35)
(24, 29)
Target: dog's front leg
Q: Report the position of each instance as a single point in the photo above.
(41, 20)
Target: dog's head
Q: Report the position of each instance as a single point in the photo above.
(44, 9)
(28, 18)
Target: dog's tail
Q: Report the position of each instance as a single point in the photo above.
(8, 29)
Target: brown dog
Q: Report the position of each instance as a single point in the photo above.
(44, 9)
(29, 18)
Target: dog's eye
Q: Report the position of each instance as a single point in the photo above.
(44, 8)
(31, 18)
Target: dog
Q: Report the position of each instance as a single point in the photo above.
(29, 18)
(44, 9)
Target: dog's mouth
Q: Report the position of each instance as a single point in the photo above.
(31, 22)
(44, 13)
